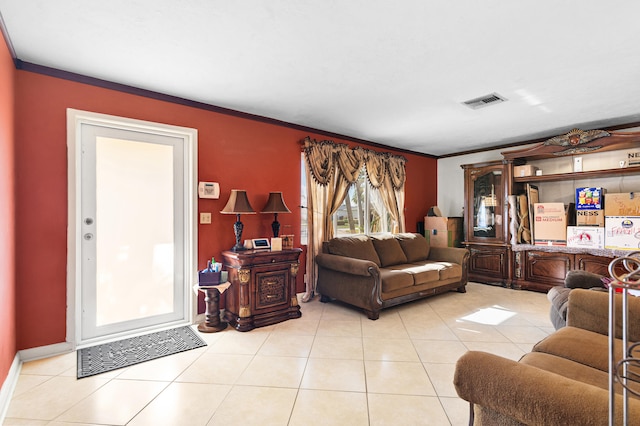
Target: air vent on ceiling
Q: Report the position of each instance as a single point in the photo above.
(484, 101)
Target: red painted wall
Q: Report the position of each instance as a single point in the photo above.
(7, 208)
(236, 152)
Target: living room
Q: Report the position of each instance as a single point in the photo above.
(235, 149)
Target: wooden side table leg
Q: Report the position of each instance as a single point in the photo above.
(212, 322)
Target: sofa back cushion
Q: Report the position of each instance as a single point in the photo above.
(357, 247)
(389, 250)
(415, 246)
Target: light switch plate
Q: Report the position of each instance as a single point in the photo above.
(205, 218)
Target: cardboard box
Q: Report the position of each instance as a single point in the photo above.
(443, 231)
(622, 204)
(622, 232)
(526, 170)
(589, 198)
(585, 236)
(550, 227)
(590, 218)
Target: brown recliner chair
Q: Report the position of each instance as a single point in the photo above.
(559, 295)
(564, 380)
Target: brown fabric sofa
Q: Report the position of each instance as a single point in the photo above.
(564, 380)
(379, 271)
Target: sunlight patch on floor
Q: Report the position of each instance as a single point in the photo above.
(491, 316)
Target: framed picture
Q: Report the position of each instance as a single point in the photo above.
(261, 243)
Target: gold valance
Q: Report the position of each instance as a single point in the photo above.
(319, 157)
(323, 156)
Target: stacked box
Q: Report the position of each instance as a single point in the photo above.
(585, 237)
(589, 198)
(589, 206)
(526, 170)
(622, 232)
(443, 231)
(622, 221)
(550, 227)
(622, 204)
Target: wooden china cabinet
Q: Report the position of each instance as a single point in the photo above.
(486, 221)
(493, 257)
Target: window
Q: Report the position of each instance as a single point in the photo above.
(362, 211)
(362, 202)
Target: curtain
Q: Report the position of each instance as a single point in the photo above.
(386, 173)
(397, 178)
(331, 169)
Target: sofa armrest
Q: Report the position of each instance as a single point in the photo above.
(347, 265)
(449, 254)
(531, 395)
(589, 309)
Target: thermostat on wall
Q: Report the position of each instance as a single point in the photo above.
(209, 190)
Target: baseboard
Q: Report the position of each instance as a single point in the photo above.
(45, 351)
(9, 385)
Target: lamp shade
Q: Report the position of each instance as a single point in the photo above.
(275, 204)
(238, 203)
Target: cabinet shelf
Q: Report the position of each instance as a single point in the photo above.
(580, 175)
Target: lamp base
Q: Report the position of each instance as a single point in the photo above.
(237, 230)
(275, 226)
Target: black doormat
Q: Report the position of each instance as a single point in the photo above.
(123, 353)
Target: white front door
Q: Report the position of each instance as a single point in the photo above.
(134, 226)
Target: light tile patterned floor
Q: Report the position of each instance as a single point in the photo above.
(333, 366)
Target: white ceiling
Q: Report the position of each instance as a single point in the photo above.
(390, 72)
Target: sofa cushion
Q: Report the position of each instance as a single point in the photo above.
(389, 250)
(574, 370)
(357, 247)
(394, 279)
(415, 246)
(579, 345)
(421, 273)
(446, 270)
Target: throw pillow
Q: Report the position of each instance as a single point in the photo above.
(583, 279)
(415, 246)
(389, 250)
(357, 247)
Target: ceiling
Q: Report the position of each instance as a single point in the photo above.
(390, 72)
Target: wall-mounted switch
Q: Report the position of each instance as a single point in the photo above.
(205, 218)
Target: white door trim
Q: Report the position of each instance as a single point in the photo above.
(77, 118)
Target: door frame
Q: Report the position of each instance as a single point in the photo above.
(77, 118)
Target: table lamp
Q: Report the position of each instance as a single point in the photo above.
(275, 204)
(238, 204)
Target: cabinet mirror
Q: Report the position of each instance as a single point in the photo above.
(487, 206)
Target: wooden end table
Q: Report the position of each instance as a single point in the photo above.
(212, 323)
